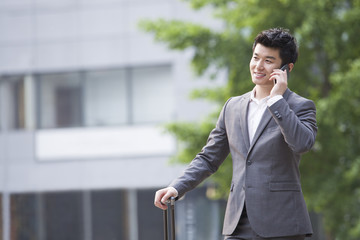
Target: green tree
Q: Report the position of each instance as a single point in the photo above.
(327, 72)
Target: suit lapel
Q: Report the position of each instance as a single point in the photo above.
(262, 125)
(264, 122)
(244, 104)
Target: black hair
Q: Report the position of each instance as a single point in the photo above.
(279, 38)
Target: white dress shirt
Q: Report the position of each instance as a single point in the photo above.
(256, 111)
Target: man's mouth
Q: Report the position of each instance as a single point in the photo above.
(256, 74)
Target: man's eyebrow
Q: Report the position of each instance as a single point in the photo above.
(270, 57)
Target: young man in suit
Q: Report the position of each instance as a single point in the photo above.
(266, 131)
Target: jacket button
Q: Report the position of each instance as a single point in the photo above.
(249, 162)
(277, 114)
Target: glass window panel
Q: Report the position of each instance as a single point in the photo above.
(1, 220)
(105, 98)
(63, 216)
(152, 94)
(109, 215)
(60, 100)
(24, 221)
(15, 103)
(150, 219)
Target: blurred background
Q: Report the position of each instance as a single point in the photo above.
(83, 96)
(102, 102)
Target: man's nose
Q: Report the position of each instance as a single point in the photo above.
(259, 65)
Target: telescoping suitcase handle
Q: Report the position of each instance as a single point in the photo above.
(172, 220)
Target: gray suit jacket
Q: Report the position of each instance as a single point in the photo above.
(265, 172)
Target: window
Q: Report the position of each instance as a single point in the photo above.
(152, 95)
(79, 215)
(24, 218)
(109, 215)
(59, 100)
(14, 101)
(148, 217)
(105, 98)
(50, 216)
(63, 216)
(1, 220)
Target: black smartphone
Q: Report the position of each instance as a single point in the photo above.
(285, 67)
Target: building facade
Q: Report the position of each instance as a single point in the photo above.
(83, 98)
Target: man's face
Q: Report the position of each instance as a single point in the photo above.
(262, 64)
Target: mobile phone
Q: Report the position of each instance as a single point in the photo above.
(285, 67)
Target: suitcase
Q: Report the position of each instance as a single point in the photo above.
(172, 220)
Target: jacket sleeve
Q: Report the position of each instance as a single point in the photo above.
(297, 121)
(208, 160)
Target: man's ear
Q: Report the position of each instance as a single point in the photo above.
(291, 66)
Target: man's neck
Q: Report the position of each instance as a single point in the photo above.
(261, 92)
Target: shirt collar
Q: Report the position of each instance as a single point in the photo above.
(261, 101)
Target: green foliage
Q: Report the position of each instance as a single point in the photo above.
(333, 184)
(327, 72)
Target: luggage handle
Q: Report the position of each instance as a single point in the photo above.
(172, 219)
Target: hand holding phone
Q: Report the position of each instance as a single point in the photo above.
(280, 86)
(285, 67)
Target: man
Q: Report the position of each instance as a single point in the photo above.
(266, 131)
